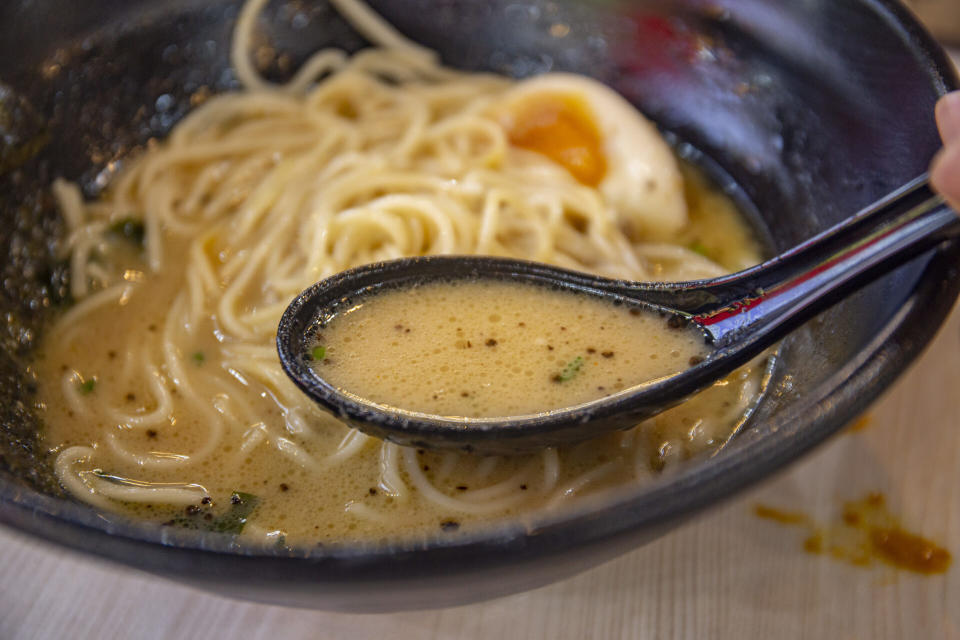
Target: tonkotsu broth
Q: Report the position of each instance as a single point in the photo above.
(493, 348)
(349, 499)
(161, 392)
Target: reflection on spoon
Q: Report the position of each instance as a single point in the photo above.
(738, 315)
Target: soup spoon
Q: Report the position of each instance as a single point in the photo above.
(740, 315)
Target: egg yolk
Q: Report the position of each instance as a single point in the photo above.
(562, 128)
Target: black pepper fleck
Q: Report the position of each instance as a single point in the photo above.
(491, 342)
(461, 487)
(372, 491)
(151, 433)
(449, 525)
(284, 486)
(607, 354)
(695, 360)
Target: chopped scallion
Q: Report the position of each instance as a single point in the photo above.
(232, 521)
(570, 370)
(241, 506)
(319, 353)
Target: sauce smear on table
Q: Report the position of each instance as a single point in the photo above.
(867, 531)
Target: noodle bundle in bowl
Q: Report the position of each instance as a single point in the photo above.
(163, 394)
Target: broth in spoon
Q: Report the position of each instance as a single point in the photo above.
(482, 348)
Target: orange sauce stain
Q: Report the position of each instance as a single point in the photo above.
(861, 423)
(909, 551)
(561, 127)
(814, 543)
(866, 532)
(778, 515)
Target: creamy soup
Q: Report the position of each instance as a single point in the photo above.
(160, 389)
(489, 348)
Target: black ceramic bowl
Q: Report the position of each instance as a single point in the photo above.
(814, 109)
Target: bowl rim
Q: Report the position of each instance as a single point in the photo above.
(663, 504)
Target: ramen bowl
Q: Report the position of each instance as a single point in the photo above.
(805, 112)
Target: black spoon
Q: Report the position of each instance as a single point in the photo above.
(740, 314)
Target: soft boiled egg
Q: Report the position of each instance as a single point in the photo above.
(604, 142)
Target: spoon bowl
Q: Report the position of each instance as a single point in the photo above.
(319, 304)
(740, 315)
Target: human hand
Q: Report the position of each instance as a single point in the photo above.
(945, 169)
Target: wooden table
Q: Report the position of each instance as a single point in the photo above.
(728, 574)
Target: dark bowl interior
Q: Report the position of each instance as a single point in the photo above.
(814, 109)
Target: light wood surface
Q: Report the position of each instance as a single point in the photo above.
(727, 574)
(942, 16)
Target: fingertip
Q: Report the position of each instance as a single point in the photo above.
(945, 174)
(948, 116)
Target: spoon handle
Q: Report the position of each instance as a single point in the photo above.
(765, 302)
